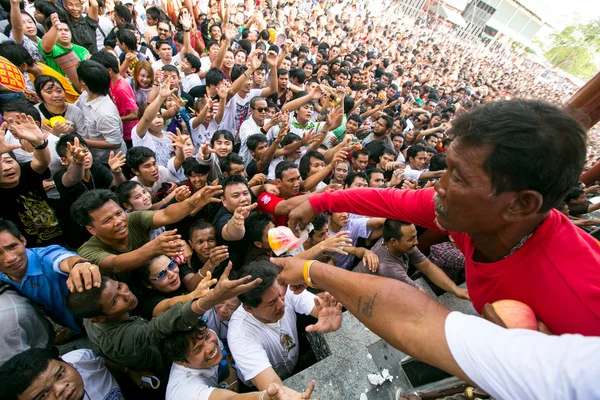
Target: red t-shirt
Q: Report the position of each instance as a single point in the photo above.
(124, 98)
(556, 272)
(267, 203)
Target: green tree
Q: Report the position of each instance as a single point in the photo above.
(574, 48)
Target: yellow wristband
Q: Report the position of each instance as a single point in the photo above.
(306, 273)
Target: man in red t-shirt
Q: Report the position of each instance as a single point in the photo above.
(510, 164)
(287, 178)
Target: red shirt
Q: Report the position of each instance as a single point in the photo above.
(124, 98)
(556, 272)
(267, 203)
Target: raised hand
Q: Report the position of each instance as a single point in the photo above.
(83, 274)
(182, 193)
(218, 254)
(159, 77)
(204, 286)
(116, 162)
(258, 179)
(309, 137)
(204, 196)
(227, 289)
(168, 243)
(5, 147)
(256, 61)
(24, 127)
(205, 151)
(223, 90)
(165, 90)
(241, 213)
(272, 59)
(177, 139)
(54, 19)
(77, 152)
(186, 21)
(329, 314)
(335, 243)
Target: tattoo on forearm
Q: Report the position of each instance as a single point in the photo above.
(366, 308)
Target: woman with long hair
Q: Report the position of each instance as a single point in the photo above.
(142, 79)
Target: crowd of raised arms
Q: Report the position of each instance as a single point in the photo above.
(158, 142)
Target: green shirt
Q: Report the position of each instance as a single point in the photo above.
(139, 227)
(58, 50)
(340, 130)
(135, 342)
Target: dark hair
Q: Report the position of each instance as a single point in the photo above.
(210, 44)
(372, 171)
(232, 180)
(45, 8)
(231, 158)
(87, 304)
(138, 155)
(573, 194)
(127, 38)
(254, 140)
(389, 151)
(257, 269)
(16, 53)
(19, 373)
(95, 76)
(304, 167)
(41, 82)
(389, 121)
(352, 177)
(255, 225)
(61, 145)
(214, 76)
(177, 345)
(523, 136)
(255, 100)
(199, 225)
(161, 42)
(282, 71)
(191, 165)
(154, 12)
(289, 139)
(22, 105)
(88, 202)
(392, 229)
(123, 191)
(123, 12)
(427, 137)
(356, 118)
(438, 162)
(361, 152)
(170, 68)
(221, 133)
(107, 59)
(7, 225)
(282, 167)
(318, 222)
(142, 274)
(193, 60)
(413, 151)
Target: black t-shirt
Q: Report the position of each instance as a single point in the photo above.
(26, 205)
(149, 299)
(237, 249)
(251, 170)
(100, 178)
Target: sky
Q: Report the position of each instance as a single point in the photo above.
(565, 11)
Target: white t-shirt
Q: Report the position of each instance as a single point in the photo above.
(190, 383)
(97, 381)
(160, 146)
(216, 325)
(202, 134)
(275, 161)
(524, 364)
(249, 128)
(205, 64)
(176, 173)
(256, 346)
(175, 61)
(163, 176)
(188, 82)
(237, 111)
(412, 173)
(357, 228)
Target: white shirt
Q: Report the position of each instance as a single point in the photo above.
(412, 173)
(249, 128)
(202, 134)
(205, 64)
(188, 82)
(237, 111)
(175, 61)
(256, 346)
(190, 383)
(163, 176)
(98, 383)
(524, 364)
(160, 146)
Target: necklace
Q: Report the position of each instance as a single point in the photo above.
(93, 183)
(520, 244)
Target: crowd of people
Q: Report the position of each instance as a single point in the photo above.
(158, 144)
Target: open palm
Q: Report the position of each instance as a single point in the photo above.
(329, 314)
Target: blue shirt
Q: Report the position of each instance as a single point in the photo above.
(44, 283)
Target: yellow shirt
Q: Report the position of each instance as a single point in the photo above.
(71, 95)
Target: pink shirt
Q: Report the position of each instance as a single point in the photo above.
(124, 98)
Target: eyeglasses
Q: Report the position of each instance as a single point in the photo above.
(163, 30)
(261, 109)
(163, 273)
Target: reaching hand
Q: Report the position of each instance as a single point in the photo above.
(182, 193)
(77, 152)
(24, 127)
(272, 59)
(186, 21)
(178, 139)
(5, 147)
(227, 289)
(205, 151)
(461, 293)
(329, 314)
(258, 179)
(301, 216)
(241, 213)
(256, 61)
(230, 32)
(223, 91)
(309, 137)
(60, 128)
(278, 392)
(54, 19)
(371, 261)
(335, 243)
(218, 254)
(165, 90)
(83, 274)
(204, 196)
(168, 243)
(204, 286)
(116, 162)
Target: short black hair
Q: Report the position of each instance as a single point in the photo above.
(523, 135)
(7, 225)
(177, 345)
(254, 140)
(198, 225)
(86, 304)
(123, 192)
(298, 73)
(19, 373)
(61, 145)
(389, 121)
(137, 155)
(88, 202)
(304, 166)
(356, 118)
(22, 105)
(123, 12)
(230, 159)
(389, 151)
(361, 152)
(191, 165)
(43, 80)
(352, 177)
(255, 225)
(392, 229)
(318, 222)
(372, 171)
(264, 270)
(127, 38)
(232, 180)
(438, 162)
(161, 42)
(282, 167)
(221, 133)
(95, 76)
(16, 53)
(289, 139)
(193, 60)
(214, 76)
(170, 68)
(573, 194)
(413, 151)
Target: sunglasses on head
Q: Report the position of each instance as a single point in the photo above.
(261, 109)
(162, 274)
